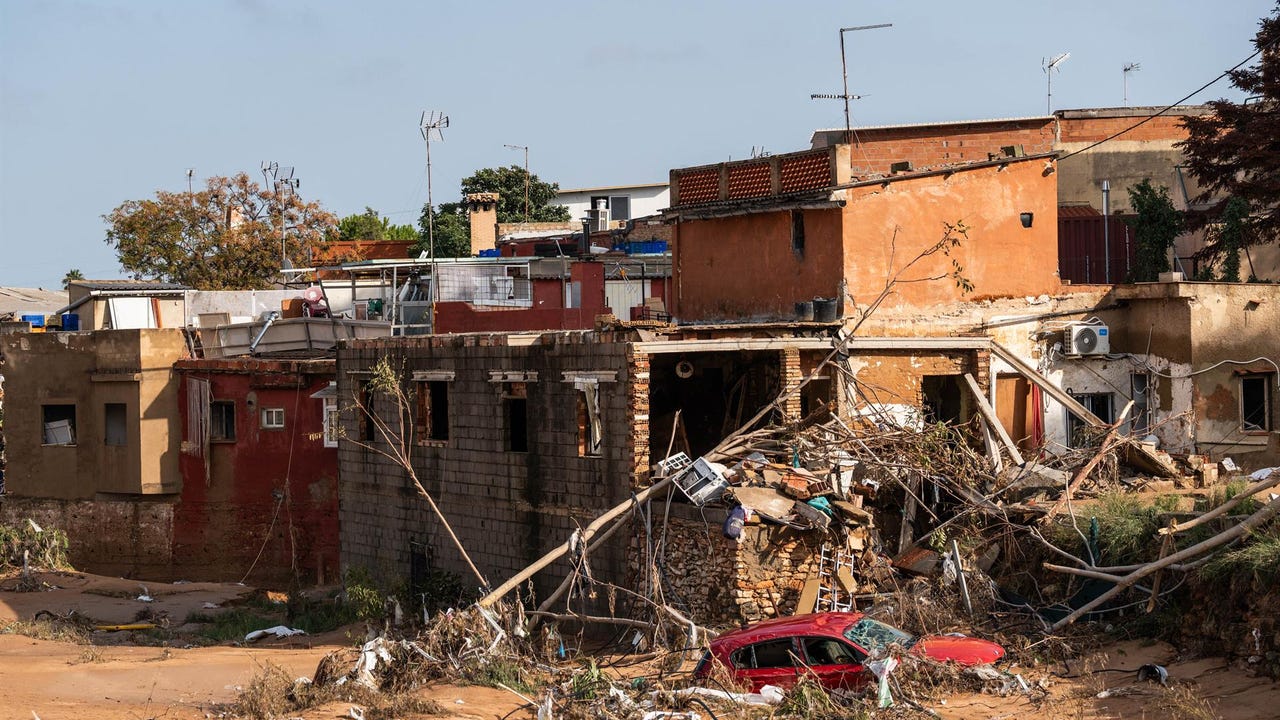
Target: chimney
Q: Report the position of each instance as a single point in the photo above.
(482, 211)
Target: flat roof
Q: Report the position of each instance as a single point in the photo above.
(612, 187)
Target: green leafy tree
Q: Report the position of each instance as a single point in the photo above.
(1235, 151)
(72, 275)
(453, 226)
(369, 225)
(1156, 224)
(224, 237)
(1230, 237)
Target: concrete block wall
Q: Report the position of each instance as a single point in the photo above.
(508, 508)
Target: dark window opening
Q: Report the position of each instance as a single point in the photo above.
(1255, 403)
(516, 411)
(59, 423)
(941, 399)
(368, 428)
(619, 207)
(1100, 404)
(797, 231)
(433, 411)
(114, 420)
(222, 421)
(1139, 383)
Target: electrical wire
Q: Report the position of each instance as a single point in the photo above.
(1190, 95)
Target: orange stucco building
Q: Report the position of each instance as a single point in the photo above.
(759, 253)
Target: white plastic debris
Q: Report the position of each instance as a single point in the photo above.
(278, 631)
(355, 713)
(1263, 474)
(370, 653)
(1153, 673)
(768, 695)
(211, 606)
(36, 528)
(881, 669)
(1229, 465)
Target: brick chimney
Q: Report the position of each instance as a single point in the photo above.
(482, 210)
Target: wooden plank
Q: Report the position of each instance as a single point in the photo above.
(1057, 393)
(989, 414)
(808, 596)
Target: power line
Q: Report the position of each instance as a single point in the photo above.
(1188, 96)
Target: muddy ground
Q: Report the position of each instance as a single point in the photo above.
(54, 679)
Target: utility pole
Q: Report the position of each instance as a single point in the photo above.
(844, 73)
(525, 148)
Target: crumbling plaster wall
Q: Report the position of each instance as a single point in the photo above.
(889, 381)
(508, 508)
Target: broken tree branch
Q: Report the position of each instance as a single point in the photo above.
(1258, 518)
(1269, 482)
(1108, 441)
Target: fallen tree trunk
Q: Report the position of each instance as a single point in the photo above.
(563, 547)
(1269, 482)
(1258, 518)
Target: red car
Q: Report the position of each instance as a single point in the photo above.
(833, 646)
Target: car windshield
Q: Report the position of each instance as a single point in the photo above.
(872, 636)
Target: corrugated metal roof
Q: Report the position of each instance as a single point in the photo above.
(128, 285)
(32, 300)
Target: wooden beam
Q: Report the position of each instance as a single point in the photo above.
(989, 414)
(1057, 393)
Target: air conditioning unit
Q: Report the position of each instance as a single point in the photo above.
(1087, 339)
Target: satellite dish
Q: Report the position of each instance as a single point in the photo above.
(684, 369)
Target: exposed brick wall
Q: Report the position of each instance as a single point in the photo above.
(932, 146)
(1092, 129)
(125, 538)
(508, 508)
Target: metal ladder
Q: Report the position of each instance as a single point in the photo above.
(830, 596)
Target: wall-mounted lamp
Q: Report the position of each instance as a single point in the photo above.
(1026, 218)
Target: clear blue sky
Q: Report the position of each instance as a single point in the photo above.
(103, 101)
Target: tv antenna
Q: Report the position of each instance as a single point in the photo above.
(191, 173)
(844, 73)
(278, 177)
(1049, 66)
(525, 148)
(432, 122)
(1128, 68)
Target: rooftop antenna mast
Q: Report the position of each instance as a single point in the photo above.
(1049, 66)
(278, 177)
(432, 122)
(1128, 68)
(525, 148)
(844, 73)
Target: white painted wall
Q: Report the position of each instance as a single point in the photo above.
(645, 199)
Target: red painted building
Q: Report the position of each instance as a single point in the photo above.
(259, 466)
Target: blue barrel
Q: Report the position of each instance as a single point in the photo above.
(70, 322)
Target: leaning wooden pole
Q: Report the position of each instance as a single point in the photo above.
(563, 547)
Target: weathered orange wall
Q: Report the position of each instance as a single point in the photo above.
(743, 267)
(1000, 257)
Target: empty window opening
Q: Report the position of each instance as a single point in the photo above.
(1100, 404)
(59, 424)
(797, 231)
(114, 422)
(432, 399)
(222, 421)
(272, 418)
(368, 426)
(941, 399)
(619, 207)
(516, 411)
(332, 426)
(1139, 385)
(1255, 402)
(588, 411)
